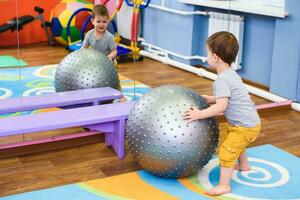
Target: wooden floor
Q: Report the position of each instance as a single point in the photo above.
(63, 163)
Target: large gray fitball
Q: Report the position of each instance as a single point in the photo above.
(164, 143)
(85, 68)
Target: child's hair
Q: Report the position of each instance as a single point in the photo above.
(100, 10)
(224, 45)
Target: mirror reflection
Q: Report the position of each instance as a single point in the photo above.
(180, 89)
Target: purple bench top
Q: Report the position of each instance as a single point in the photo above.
(64, 118)
(58, 99)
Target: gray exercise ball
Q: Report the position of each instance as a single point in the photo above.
(85, 68)
(164, 143)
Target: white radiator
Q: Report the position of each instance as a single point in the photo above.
(231, 23)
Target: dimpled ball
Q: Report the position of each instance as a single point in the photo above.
(164, 143)
(85, 68)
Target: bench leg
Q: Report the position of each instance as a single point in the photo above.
(116, 138)
(109, 138)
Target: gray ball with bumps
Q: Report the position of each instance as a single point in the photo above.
(164, 143)
(85, 68)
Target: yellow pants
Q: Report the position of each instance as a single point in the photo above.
(233, 142)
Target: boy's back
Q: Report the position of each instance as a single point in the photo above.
(241, 110)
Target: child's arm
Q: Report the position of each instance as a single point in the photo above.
(86, 41)
(113, 48)
(194, 114)
(112, 54)
(209, 99)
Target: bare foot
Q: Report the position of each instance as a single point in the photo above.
(218, 190)
(242, 168)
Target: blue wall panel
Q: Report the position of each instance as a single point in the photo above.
(169, 30)
(199, 37)
(162, 29)
(271, 50)
(298, 87)
(285, 63)
(258, 48)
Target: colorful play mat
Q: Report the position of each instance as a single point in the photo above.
(275, 174)
(10, 61)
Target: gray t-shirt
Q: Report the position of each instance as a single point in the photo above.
(105, 44)
(241, 110)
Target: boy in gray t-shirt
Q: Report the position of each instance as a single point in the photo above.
(99, 38)
(231, 98)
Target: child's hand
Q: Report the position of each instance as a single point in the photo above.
(109, 58)
(192, 114)
(86, 46)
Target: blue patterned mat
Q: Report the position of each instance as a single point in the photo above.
(275, 174)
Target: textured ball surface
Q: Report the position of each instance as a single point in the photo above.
(85, 68)
(164, 143)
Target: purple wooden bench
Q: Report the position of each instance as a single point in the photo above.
(107, 118)
(76, 97)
